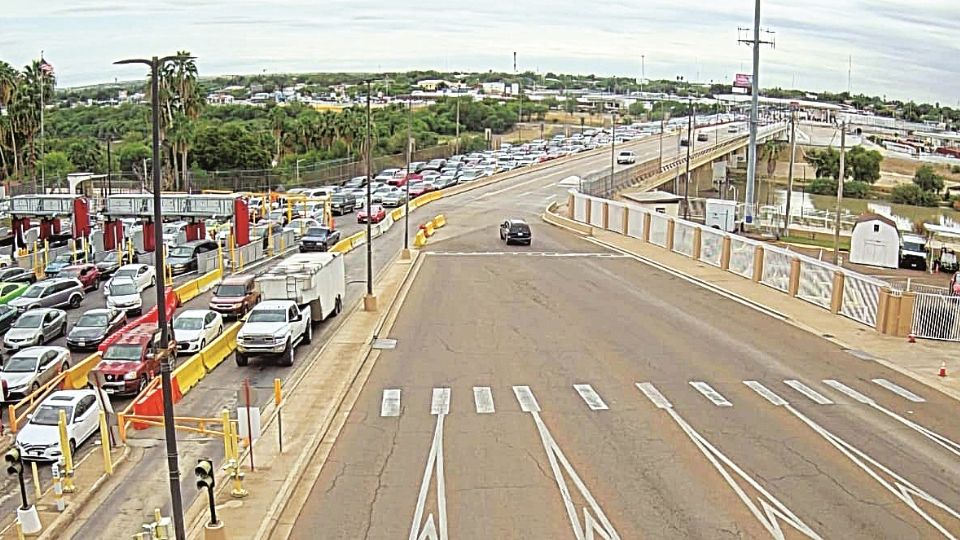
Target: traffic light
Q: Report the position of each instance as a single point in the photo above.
(204, 472)
(13, 461)
(205, 480)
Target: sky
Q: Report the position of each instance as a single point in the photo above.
(902, 49)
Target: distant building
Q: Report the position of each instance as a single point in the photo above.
(432, 85)
(493, 88)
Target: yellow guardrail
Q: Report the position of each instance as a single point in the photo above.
(76, 377)
(188, 291)
(205, 281)
(419, 240)
(191, 372)
(397, 214)
(439, 221)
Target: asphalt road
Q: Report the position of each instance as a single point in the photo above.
(564, 391)
(131, 505)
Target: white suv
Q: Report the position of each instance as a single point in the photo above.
(273, 328)
(626, 157)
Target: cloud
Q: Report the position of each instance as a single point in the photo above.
(902, 48)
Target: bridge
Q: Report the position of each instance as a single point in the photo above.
(597, 384)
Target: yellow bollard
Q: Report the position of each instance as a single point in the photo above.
(122, 427)
(220, 258)
(269, 243)
(19, 529)
(105, 444)
(233, 251)
(240, 261)
(227, 444)
(68, 486)
(36, 480)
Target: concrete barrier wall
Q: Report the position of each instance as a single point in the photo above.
(635, 221)
(615, 212)
(596, 212)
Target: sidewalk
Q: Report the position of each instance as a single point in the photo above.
(312, 409)
(920, 361)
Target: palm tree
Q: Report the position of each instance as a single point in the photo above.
(770, 151)
(278, 121)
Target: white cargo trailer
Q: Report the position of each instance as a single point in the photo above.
(316, 280)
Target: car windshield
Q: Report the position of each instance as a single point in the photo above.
(49, 415)
(913, 246)
(123, 352)
(21, 363)
(97, 320)
(33, 291)
(111, 256)
(29, 320)
(170, 229)
(268, 315)
(317, 231)
(70, 273)
(126, 272)
(188, 323)
(182, 252)
(64, 258)
(123, 289)
(230, 290)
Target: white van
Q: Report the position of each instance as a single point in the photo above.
(175, 233)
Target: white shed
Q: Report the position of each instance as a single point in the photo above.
(875, 242)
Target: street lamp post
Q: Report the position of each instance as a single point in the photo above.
(298, 170)
(406, 202)
(613, 149)
(686, 184)
(369, 301)
(169, 429)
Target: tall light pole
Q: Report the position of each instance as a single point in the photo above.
(836, 219)
(686, 184)
(457, 145)
(406, 202)
(793, 158)
(369, 301)
(298, 170)
(169, 429)
(754, 107)
(613, 148)
(643, 70)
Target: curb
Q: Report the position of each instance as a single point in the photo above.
(549, 217)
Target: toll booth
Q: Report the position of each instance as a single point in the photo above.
(193, 209)
(49, 209)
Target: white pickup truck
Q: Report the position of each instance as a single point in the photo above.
(273, 328)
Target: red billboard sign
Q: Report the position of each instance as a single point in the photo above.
(743, 81)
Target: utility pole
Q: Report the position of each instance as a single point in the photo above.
(793, 158)
(457, 144)
(754, 108)
(663, 117)
(643, 70)
(613, 149)
(836, 221)
(849, 72)
(406, 202)
(686, 185)
(370, 301)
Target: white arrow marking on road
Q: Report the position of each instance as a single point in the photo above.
(441, 401)
(592, 527)
(434, 464)
(390, 406)
(591, 397)
(815, 396)
(899, 390)
(766, 393)
(654, 395)
(711, 394)
(483, 398)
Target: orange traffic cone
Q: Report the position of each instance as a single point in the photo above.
(943, 369)
(911, 338)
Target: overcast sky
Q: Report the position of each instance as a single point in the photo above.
(900, 48)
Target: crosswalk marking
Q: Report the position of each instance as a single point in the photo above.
(814, 396)
(766, 393)
(899, 390)
(711, 394)
(654, 395)
(528, 403)
(483, 398)
(844, 389)
(590, 396)
(441, 401)
(390, 406)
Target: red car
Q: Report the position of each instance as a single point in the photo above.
(130, 362)
(402, 181)
(376, 214)
(87, 274)
(420, 188)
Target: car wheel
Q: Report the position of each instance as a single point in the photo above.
(34, 387)
(63, 329)
(75, 301)
(65, 367)
(153, 281)
(73, 448)
(203, 343)
(144, 382)
(240, 359)
(308, 335)
(337, 307)
(287, 359)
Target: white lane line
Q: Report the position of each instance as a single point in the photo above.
(528, 403)
(711, 394)
(766, 393)
(899, 390)
(422, 529)
(654, 395)
(814, 396)
(950, 445)
(441, 401)
(591, 397)
(844, 389)
(908, 493)
(390, 406)
(483, 398)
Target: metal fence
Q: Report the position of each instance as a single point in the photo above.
(816, 282)
(742, 256)
(683, 238)
(776, 269)
(936, 317)
(207, 262)
(861, 298)
(711, 246)
(658, 229)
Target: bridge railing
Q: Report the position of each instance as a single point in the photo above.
(861, 298)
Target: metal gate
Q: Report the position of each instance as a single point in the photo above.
(937, 317)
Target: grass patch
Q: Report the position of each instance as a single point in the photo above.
(820, 242)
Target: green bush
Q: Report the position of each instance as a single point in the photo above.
(912, 194)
